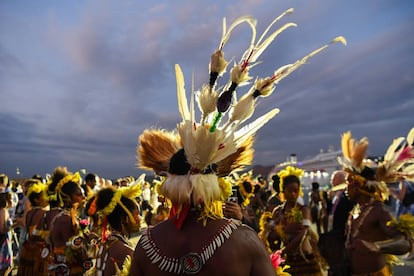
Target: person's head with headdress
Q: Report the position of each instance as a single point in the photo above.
(4, 181)
(289, 183)
(200, 152)
(64, 189)
(245, 188)
(58, 174)
(398, 162)
(361, 177)
(118, 207)
(370, 180)
(275, 183)
(90, 180)
(91, 210)
(38, 177)
(36, 192)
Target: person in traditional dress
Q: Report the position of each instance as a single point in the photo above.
(315, 205)
(67, 240)
(239, 205)
(290, 228)
(332, 243)
(121, 212)
(373, 234)
(274, 200)
(6, 251)
(33, 259)
(197, 158)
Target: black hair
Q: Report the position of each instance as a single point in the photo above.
(3, 200)
(368, 173)
(58, 174)
(4, 178)
(276, 183)
(90, 177)
(118, 214)
(178, 163)
(38, 177)
(289, 180)
(70, 188)
(248, 187)
(315, 186)
(33, 195)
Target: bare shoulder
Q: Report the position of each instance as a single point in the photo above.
(62, 222)
(239, 245)
(246, 233)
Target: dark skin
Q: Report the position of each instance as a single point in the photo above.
(294, 230)
(117, 249)
(368, 227)
(63, 228)
(242, 254)
(34, 217)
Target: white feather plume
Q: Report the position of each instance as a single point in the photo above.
(410, 137)
(211, 140)
(242, 134)
(392, 153)
(178, 188)
(181, 97)
(205, 188)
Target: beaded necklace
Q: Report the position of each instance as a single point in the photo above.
(357, 213)
(190, 263)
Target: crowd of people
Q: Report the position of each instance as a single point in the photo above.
(70, 224)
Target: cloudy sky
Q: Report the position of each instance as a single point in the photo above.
(80, 80)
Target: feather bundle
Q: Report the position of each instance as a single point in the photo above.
(354, 152)
(229, 144)
(135, 189)
(398, 163)
(156, 147)
(177, 188)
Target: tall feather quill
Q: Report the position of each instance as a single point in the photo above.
(181, 97)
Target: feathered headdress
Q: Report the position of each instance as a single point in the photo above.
(37, 187)
(281, 175)
(132, 192)
(354, 163)
(354, 152)
(398, 163)
(221, 141)
(58, 194)
(246, 186)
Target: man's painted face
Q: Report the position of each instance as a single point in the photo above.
(352, 188)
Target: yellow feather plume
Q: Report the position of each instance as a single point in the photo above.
(346, 137)
(359, 151)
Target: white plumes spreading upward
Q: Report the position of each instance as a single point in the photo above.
(210, 140)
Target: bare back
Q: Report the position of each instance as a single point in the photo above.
(241, 253)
